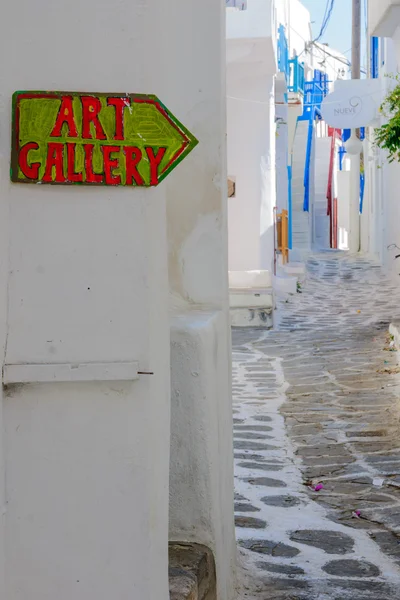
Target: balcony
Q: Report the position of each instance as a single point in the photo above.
(314, 93)
(384, 17)
(296, 76)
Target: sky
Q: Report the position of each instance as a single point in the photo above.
(338, 33)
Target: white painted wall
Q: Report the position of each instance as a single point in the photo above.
(391, 216)
(201, 478)
(251, 66)
(389, 173)
(268, 186)
(300, 28)
(282, 11)
(242, 280)
(4, 266)
(372, 221)
(201, 486)
(256, 22)
(379, 223)
(344, 195)
(295, 110)
(87, 466)
(251, 160)
(383, 17)
(282, 155)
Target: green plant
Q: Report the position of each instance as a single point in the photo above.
(387, 136)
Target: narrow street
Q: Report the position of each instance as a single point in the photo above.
(317, 440)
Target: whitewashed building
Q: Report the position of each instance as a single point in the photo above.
(251, 69)
(278, 158)
(125, 290)
(380, 234)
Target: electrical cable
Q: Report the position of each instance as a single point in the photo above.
(345, 62)
(325, 22)
(326, 12)
(327, 17)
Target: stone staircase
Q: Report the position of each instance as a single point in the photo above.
(301, 222)
(321, 219)
(251, 299)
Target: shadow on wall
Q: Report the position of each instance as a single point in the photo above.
(268, 202)
(267, 249)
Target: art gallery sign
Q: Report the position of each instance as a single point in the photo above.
(95, 139)
(353, 104)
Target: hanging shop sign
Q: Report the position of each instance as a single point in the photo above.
(95, 139)
(353, 104)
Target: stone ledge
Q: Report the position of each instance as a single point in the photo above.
(191, 572)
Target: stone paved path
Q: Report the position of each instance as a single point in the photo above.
(317, 401)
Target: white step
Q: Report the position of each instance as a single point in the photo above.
(249, 279)
(249, 317)
(252, 308)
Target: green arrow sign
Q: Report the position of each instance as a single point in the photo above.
(95, 139)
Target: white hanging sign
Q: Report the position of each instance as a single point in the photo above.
(354, 103)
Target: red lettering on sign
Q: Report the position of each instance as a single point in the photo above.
(30, 171)
(71, 174)
(155, 160)
(90, 114)
(91, 177)
(133, 158)
(65, 115)
(119, 104)
(111, 163)
(55, 158)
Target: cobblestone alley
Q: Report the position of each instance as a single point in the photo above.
(317, 440)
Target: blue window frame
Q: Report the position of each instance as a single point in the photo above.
(374, 57)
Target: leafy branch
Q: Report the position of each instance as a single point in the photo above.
(387, 136)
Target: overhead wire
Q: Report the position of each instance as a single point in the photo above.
(327, 5)
(345, 62)
(327, 17)
(326, 12)
(325, 22)
(330, 4)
